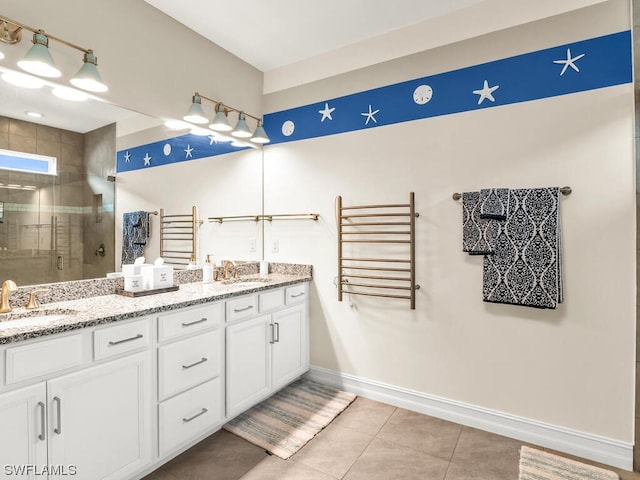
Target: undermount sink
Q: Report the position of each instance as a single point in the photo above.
(33, 318)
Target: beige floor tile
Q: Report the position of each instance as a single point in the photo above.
(333, 450)
(366, 416)
(222, 456)
(384, 460)
(274, 468)
(484, 455)
(421, 432)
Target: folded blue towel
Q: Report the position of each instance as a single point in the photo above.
(494, 203)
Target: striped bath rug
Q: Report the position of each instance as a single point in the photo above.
(539, 465)
(285, 422)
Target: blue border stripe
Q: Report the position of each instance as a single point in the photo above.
(586, 65)
(173, 150)
(24, 164)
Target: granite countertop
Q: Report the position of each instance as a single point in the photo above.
(103, 309)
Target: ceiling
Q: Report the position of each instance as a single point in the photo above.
(272, 34)
(296, 42)
(78, 117)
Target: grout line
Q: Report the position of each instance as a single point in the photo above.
(453, 453)
(373, 437)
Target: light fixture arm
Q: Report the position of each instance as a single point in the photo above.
(228, 108)
(6, 20)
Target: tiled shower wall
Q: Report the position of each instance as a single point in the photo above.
(50, 222)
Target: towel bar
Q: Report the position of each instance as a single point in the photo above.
(563, 190)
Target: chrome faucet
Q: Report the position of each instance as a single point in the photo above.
(226, 269)
(8, 286)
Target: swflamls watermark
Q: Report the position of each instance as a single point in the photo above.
(26, 469)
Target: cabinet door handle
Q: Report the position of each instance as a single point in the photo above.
(186, 367)
(202, 412)
(130, 339)
(296, 295)
(237, 310)
(43, 424)
(277, 332)
(273, 336)
(58, 429)
(195, 322)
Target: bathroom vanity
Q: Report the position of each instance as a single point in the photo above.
(122, 385)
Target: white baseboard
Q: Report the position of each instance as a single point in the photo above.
(593, 447)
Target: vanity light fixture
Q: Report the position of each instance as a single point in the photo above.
(38, 59)
(220, 122)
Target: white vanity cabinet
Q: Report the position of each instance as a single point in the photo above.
(91, 420)
(99, 419)
(266, 350)
(190, 367)
(24, 427)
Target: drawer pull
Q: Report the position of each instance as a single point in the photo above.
(237, 310)
(296, 295)
(187, 420)
(58, 428)
(195, 322)
(130, 339)
(43, 424)
(186, 367)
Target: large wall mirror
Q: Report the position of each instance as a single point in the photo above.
(54, 223)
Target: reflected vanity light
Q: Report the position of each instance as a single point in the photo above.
(70, 94)
(22, 80)
(33, 114)
(177, 125)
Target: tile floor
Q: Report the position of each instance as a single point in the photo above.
(368, 441)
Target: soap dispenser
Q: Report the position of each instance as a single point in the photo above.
(207, 270)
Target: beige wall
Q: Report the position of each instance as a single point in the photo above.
(571, 367)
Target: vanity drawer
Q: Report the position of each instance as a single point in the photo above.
(243, 307)
(118, 339)
(42, 358)
(191, 320)
(271, 300)
(295, 294)
(184, 364)
(188, 415)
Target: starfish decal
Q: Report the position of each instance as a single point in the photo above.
(326, 113)
(127, 157)
(189, 149)
(486, 92)
(147, 160)
(370, 115)
(569, 62)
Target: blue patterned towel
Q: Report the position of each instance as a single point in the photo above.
(526, 267)
(135, 226)
(478, 234)
(494, 203)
